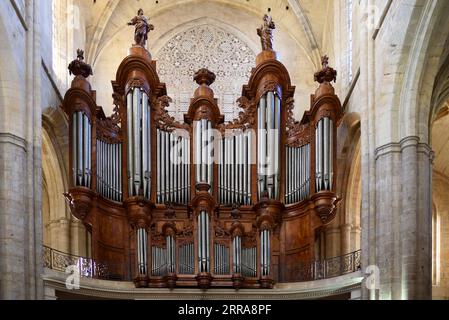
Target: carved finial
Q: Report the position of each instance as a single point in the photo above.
(143, 27)
(327, 74)
(265, 32)
(78, 67)
(204, 77)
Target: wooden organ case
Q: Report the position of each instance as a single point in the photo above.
(202, 203)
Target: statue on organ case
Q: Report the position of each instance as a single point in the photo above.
(265, 32)
(143, 27)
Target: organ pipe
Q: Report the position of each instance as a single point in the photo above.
(171, 254)
(235, 169)
(139, 148)
(81, 150)
(268, 145)
(203, 241)
(324, 154)
(265, 252)
(237, 253)
(173, 173)
(142, 250)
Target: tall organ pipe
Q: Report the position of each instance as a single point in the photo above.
(265, 252)
(203, 241)
(142, 250)
(268, 145)
(139, 143)
(236, 249)
(198, 147)
(81, 150)
(324, 154)
(171, 263)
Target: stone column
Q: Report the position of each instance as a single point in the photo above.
(403, 220)
(20, 156)
(332, 242)
(345, 238)
(60, 235)
(78, 244)
(355, 238)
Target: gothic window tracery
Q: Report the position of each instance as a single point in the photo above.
(211, 47)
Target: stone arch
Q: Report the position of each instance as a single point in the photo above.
(350, 178)
(430, 37)
(353, 184)
(56, 227)
(343, 234)
(61, 230)
(416, 37)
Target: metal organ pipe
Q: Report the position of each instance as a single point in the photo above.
(297, 181)
(173, 170)
(198, 145)
(171, 263)
(81, 150)
(80, 164)
(262, 142)
(139, 143)
(142, 250)
(268, 144)
(137, 140)
(204, 147)
(265, 252)
(236, 252)
(203, 241)
(129, 112)
(324, 154)
(235, 168)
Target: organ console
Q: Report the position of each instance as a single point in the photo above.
(203, 202)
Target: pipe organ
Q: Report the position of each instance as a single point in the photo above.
(173, 170)
(202, 202)
(236, 154)
(138, 138)
(268, 125)
(81, 142)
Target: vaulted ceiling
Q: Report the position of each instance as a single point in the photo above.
(306, 20)
(440, 141)
(301, 36)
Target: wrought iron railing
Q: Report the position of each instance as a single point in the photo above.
(314, 270)
(324, 269)
(64, 262)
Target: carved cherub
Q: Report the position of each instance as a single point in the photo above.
(265, 32)
(143, 27)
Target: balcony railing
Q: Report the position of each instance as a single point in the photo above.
(60, 261)
(309, 271)
(324, 269)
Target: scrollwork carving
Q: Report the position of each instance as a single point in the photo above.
(246, 118)
(187, 232)
(162, 118)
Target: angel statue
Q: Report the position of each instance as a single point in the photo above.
(143, 27)
(265, 32)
